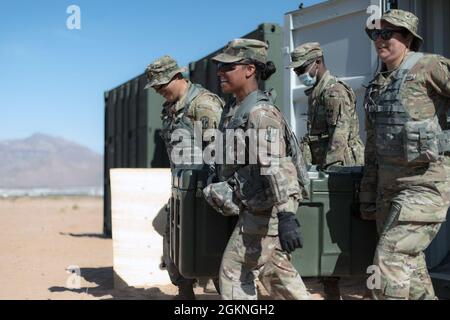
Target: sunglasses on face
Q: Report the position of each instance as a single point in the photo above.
(161, 86)
(301, 70)
(226, 67)
(385, 34)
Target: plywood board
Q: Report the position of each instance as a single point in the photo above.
(138, 198)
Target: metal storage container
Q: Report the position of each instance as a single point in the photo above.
(434, 24)
(132, 121)
(198, 234)
(336, 241)
(349, 54)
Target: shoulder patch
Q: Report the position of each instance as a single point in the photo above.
(205, 122)
(271, 134)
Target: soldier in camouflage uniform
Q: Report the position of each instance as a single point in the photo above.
(185, 104)
(333, 125)
(405, 184)
(267, 230)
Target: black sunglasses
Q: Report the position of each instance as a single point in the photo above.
(226, 67)
(385, 34)
(161, 86)
(302, 69)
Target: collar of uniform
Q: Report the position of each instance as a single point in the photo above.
(322, 84)
(230, 108)
(249, 100)
(178, 106)
(384, 74)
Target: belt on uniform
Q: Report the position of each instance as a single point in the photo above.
(316, 138)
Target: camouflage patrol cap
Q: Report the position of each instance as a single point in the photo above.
(243, 49)
(407, 20)
(161, 71)
(304, 53)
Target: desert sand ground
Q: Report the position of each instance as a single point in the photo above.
(42, 237)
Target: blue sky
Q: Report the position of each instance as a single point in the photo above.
(52, 79)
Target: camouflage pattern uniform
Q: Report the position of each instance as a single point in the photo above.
(254, 250)
(197, 104)
(407, 164)
(333, 126)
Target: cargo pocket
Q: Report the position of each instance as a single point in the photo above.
(395, 291)
(395, 276)
(424, 204)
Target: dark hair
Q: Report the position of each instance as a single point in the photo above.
(404, 32)
(264, 70)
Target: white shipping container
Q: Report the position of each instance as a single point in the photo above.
(338, 25)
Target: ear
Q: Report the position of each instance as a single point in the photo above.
(250, 70)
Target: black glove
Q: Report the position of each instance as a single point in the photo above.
(289, 232)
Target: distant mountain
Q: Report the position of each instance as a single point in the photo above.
(43, 161)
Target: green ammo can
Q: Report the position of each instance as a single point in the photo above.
(198, 234)
(336, 241)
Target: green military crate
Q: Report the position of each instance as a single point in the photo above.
(198, 234)
(337, 242)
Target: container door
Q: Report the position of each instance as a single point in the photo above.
(349, 54)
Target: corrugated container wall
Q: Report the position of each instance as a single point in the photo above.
(434, 24)
(132, 123)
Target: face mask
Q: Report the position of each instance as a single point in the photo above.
(306, 79)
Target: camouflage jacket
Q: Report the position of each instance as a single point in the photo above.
(205, 107)
(424, 95)
(261, 195)
(333, 126)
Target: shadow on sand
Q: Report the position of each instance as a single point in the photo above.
(85, 235)
(109, 286)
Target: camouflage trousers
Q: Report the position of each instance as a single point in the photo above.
(400, 257)
(251, 256)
